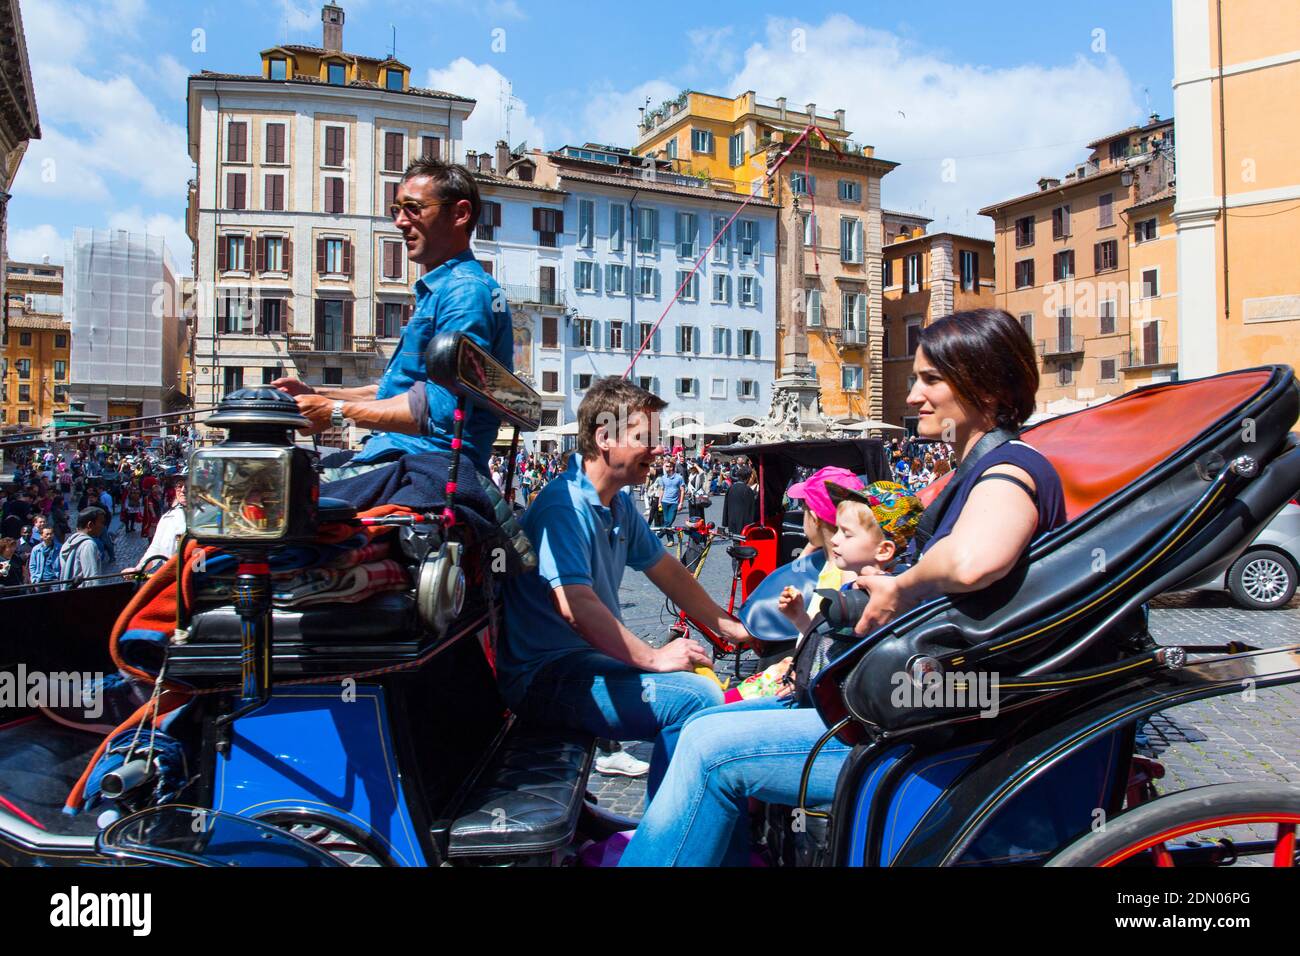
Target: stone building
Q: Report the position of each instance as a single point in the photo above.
(37, 352)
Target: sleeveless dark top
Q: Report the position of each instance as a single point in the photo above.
(1047, 488)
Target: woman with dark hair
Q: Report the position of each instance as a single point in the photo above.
(975, 383)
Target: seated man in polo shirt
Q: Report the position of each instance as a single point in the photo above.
(566, 657)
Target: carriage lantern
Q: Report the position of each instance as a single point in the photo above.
(256, 487)
(253, 492)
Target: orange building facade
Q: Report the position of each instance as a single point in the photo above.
(37, 346)
(1236, 83)
(1084, 264)
(925, 277)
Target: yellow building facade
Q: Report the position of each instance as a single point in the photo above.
(1236, 83)
(830, 201)
(37, 346)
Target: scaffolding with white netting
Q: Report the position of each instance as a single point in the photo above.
(120, 297)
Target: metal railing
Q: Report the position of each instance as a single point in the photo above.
(1142, 357)
(1069, 345)
(533, 295)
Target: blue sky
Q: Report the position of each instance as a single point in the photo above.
(976, 100)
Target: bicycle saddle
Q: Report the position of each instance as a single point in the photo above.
(742, 552)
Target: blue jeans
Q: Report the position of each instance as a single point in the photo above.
(672, 734)
(669, 509)
(699, 817)
(590, 691)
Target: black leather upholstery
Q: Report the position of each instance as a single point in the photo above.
(529, 796)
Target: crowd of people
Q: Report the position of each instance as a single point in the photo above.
(57, 509)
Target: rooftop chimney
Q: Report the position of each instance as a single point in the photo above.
(331, 16)
(812, 112)
(503, 157)
(839, 118)
(485, 162)
(1048, 182)
(471, 160)
(780, 105)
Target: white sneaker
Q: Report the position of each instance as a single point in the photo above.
(621, 764)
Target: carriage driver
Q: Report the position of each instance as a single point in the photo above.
(435, 208)
(567, 658)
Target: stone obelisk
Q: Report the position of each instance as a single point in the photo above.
(796, 395)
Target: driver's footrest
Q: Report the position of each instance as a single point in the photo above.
(528, 799)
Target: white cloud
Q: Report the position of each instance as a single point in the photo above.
(487, 123)
(171, 228)
(57, 166)
(602, 114)
(33, 244)
(122, 135)
(505, 10)
(1001, 128)
(59, 32)
(299, 16)
(712, 49)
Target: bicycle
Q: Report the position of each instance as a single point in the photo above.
(692, 544)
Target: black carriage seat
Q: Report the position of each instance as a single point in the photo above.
(742, 552)
(1133, 472)
(528, 797)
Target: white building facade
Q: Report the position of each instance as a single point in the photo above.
(299, 268)
(629, 243)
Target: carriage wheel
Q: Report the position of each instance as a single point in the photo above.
(1215, 825)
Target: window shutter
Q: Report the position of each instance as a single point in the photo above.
(756, 344)
(654, 285)
(222, 248)
(347, 257)
(320, 256)
(288, 255)
(261, 254)
(347, 325)
(575, 381)
(537, 224)
(379, 320)
(246, 313)
(406, 314)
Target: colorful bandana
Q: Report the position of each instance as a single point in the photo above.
(896, 510)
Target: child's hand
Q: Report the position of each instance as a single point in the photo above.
(790, 603)
(783, 672)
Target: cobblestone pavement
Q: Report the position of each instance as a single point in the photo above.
(128, 546)
(1237, 738)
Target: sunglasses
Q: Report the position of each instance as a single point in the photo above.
(412, 208)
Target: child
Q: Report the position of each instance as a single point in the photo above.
(873, 526)
(819, 527)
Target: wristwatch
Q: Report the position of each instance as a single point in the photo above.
(336, 416)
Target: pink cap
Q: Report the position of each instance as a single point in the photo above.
(813, 491)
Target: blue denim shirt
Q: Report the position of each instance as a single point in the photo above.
(578, 541)
(456, 296)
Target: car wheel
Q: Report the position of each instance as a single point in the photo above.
(1262, 580)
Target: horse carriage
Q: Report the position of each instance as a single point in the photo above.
(372, 732)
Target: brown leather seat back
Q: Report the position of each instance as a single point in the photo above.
(1099, 450)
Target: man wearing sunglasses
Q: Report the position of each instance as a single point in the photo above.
(436, 208)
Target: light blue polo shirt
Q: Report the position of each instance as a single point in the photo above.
(578, 541)
(456, 296)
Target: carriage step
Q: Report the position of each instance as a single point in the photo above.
(528, 798)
